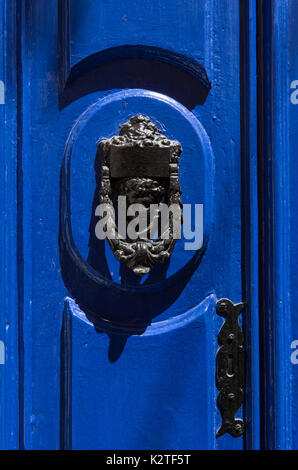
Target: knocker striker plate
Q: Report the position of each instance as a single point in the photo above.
(141, 164)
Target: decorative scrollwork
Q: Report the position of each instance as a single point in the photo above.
(142, 164)
(230, 368)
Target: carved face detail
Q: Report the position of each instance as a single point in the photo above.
(142, 164)
(144, 191)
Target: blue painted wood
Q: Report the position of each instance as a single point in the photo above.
(142, 390)
(9, 372)
(81, 388)
(279, 179)
(156, 24)
(289, 171)
(248, 13)
(278, 284)
(43, 289)
(82, 141)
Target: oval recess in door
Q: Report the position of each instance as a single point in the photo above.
(88, 265)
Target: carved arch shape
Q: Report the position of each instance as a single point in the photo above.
(136, 66)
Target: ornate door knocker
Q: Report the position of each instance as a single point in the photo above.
(141, 164)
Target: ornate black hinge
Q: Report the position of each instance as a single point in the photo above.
(230, 368)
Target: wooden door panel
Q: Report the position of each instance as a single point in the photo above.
(84, 69)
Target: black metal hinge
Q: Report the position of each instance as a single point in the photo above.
(230, 368)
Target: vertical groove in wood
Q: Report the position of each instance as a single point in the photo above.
(63, 42)
(249, 183)
(66, 381)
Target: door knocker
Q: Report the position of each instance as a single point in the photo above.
(141, 165)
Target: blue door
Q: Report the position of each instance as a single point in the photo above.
(97, 355)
